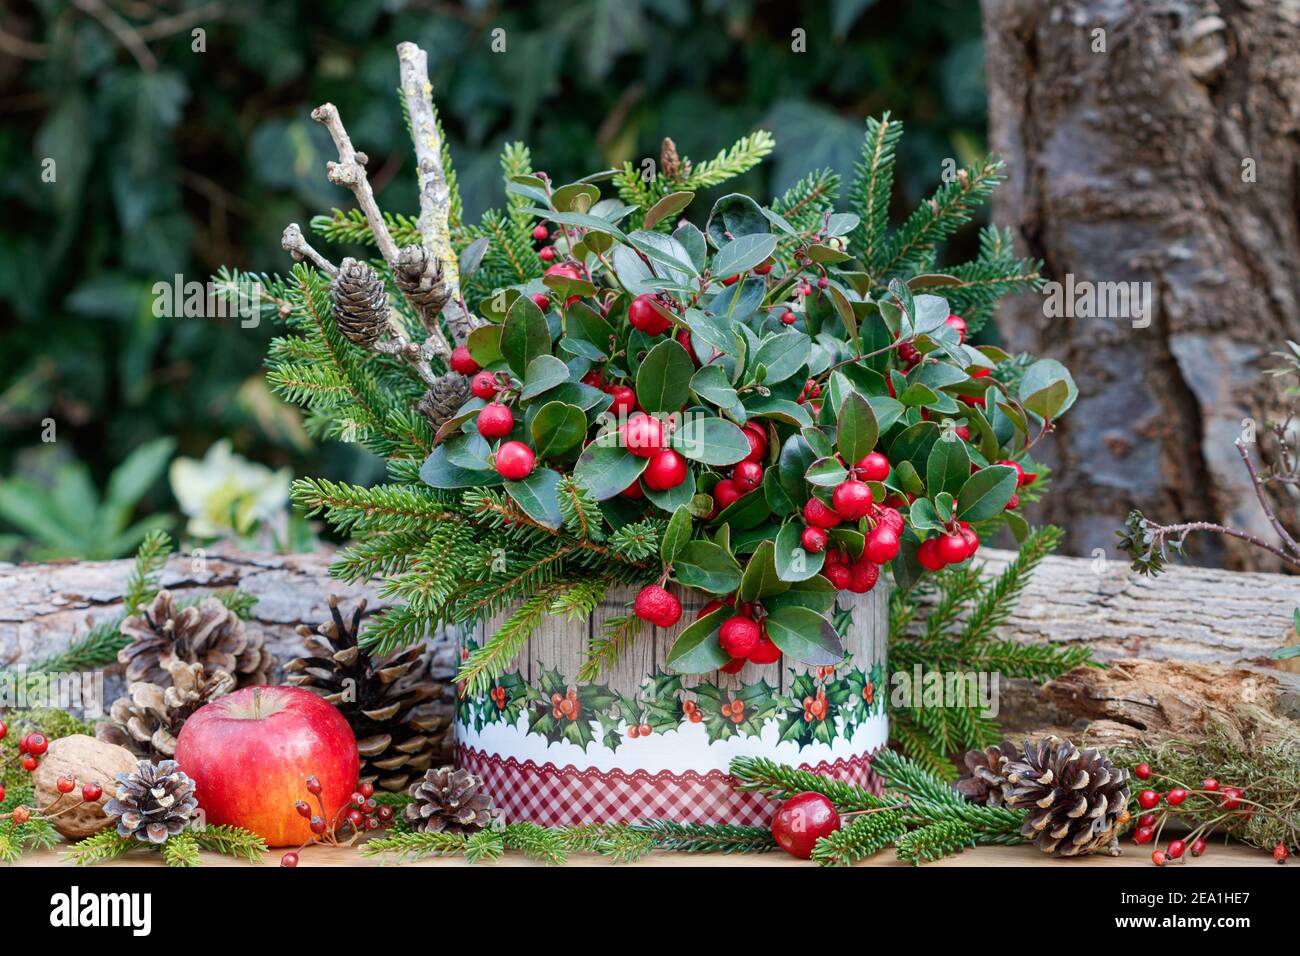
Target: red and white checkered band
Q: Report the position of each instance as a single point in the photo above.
(554, 796)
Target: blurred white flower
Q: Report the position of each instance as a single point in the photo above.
(224, 493)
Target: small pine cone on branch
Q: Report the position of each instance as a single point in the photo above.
(986, 774)
(360, 303)
(419, 276)
(1075, 800)
(450, 800)
(392, 703)
(154, 802)
(207, 633)
(149, 718)
(671, 165)
(443, 399)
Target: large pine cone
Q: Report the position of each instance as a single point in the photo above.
(148, 720)
(986, 774)
(419, 276)
(1075, 801)
(360, 303)
(153, 803)
(207, 633)
(450, 800)
(391, 703)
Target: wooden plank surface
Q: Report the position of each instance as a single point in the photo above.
(1219, 855)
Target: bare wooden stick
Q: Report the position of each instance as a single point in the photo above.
(350, 172)
(295, 243)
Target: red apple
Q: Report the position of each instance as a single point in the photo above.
(250, 754)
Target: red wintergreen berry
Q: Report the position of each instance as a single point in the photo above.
(546, 253)
(484, 385)
(958, 323)
(725, 493)
(952, 548)
(644, 314)
(757, 438)
(494, 421)
(874, 467)
(624, 400)
(463, 362)
(819, 515)
(839, 575)
(863, 575)
(540, 233)
(789, 318)
(643, 435)
(851, 499)
(928, 555)
(813, 540)
(666, 470)
(882, 545)
(765, 652)
(803, 820)
(541, 300)
(739, 637)
(658, 606)
(1016, 466)
(747, 475)
(514, 461)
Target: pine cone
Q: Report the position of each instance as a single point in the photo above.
(1075, 800)
(443, 399)
(360, 303)
(208, 633)
(419, 276)
(390, 702)
(153, 803)
(671, 165)
(985, 777)
(148, 720)
(450, 800)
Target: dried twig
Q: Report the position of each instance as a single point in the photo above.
(350, 172)
(294, 243)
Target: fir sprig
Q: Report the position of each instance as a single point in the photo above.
(179, 850)
(934, 841)
(865, 836)
(707, 837)
(781, 782)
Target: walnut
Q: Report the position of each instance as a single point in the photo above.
(85, 760)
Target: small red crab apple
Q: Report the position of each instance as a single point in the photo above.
(514, 461)
(463, 362)
(658, 606)
(495, 420)
(803, 820)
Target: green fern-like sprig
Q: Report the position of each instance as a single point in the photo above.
(934, 841)
(865, 836)
(869, 196)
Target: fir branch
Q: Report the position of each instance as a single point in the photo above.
(351, 227)
(579, 599)
(743, 155)
(579, 510)
(354, 509)
(150, 558)
(706, 837)
(934, 841)
(415, 845)
(539, 843)
(485, 845)
(866, 836)
(605, 650)
(488, 662)
(180, 850)
(230, 841)
(869, 196)
(931, 800)
(780, 782)
(996, 605)
(804, 203)
(105, 845)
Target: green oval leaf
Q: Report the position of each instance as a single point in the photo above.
(742, 254)
(986, 492)
(605, 470)
(793, 563)
(707, 566)
(663, 382)
(857, 428)
(525, 335)
(696, 650)
(670, 205)
(948, 466)
(558, 427)
(805, 635)
(676, 535)
(543, 373)
(760, 578)
(714, 441)
(537, 495)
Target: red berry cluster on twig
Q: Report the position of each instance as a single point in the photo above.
(360, 814)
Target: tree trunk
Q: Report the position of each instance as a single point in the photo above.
(1153, 142)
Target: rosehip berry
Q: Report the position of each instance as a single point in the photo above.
(355, 817)
(958, 323)
(1175, 796)
(514, 461)
(90, 793)
(540, 233)
(313, 785)
(37, 744)
(766, 652)
(290, 860)
(952, 548)
(1176, 849)
(643, 435)
(1280, 853)
(1142, 771)
(1144, 835)
(20, 815)
(644, 314)
(789, 318)
(725, 493)
(1147, 799)
(851, 499)
(1158, 858)
(658, 606)
(882, 545)
(1231, 798)
(813, 540)
(1198, 846)
(357, 800)
(874, 467)
(819, 515)
(928, 555)
(747, 475)
(495, 420)
(666, 470)
(463, 362)
(317, 825)
(303, 808)
(29, 763)
(803, 820)
(1147, 820)
(65, 785)
(546, 253)
(1210, 784)
(2, 793)
(738, 637)
(385, 812)
(484, 385)
(367, 790)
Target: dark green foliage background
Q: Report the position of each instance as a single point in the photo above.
(203, 160)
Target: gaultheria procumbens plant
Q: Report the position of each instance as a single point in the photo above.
(585, 390)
